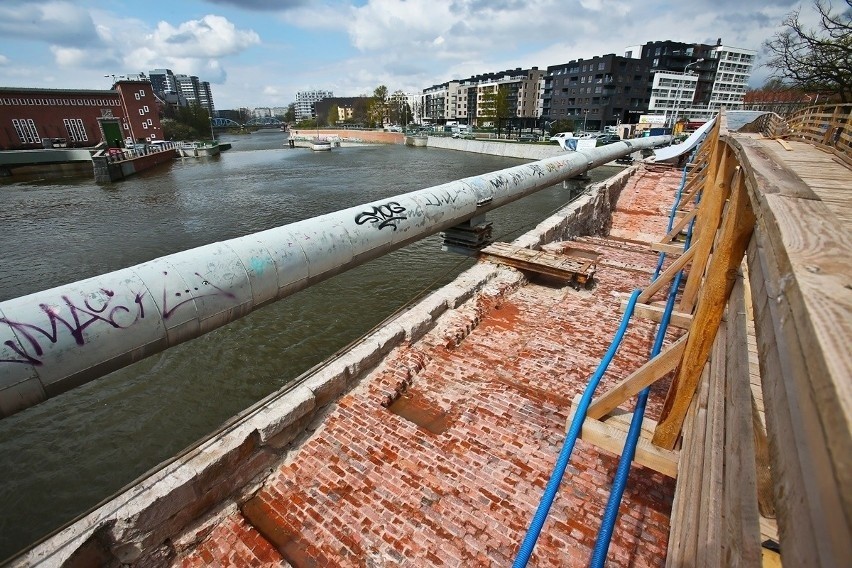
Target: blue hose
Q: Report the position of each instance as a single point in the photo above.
(623, 471)
(570, 439)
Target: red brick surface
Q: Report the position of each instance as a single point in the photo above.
(440, 456)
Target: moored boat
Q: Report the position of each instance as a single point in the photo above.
(199, 149)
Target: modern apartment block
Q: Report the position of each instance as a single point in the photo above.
(306, 101)
(696, 88)
(181, 90)
(604, 90)
(674, 79)
(163, 80)
(462, 100)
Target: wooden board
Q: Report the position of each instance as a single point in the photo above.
(579, 267)
(611, 433)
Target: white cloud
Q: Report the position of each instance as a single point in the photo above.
(211, 36)
(60, 23)
(4, 60)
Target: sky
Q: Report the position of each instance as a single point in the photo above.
(259, 53)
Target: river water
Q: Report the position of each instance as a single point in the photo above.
(62, 457)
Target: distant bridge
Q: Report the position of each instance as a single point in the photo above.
(224, 123)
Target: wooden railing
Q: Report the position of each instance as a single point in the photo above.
(764, 242)
(826, 126)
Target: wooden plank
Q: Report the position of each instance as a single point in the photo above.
(679, 226)
(709, 217)
(665, 362)
(611, 435)
(666, 276)
(667, 248)
(784, 144)
(655, 313)
(734, 235)
(810, 493)
(741, 536)
(559, 266)
(710, 517)
(683, 540)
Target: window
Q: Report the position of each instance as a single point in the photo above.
(141, 93)
(149, 122)
(145, 108)
(79, 101)
(601, 66)
(136, 95)
(141, 112)
(26, 130)
(76, 130)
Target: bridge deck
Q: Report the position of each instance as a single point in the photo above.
(826, 175)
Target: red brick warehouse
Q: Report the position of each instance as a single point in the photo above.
(38, 118)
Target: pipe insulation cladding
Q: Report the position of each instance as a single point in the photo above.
(55, 340)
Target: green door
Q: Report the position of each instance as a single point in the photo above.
(112, 133)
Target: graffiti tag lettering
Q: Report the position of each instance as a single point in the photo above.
(80, 318)
(386, 215)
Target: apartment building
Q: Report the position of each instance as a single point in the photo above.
(674, 79)
(306, 101)
(597, 92)
(462, 100)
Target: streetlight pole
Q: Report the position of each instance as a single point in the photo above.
(679, 89)
(585, 119)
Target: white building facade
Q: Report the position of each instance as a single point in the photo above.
(305, 101)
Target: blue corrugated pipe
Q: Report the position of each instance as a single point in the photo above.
(570, 439)
(623, 471)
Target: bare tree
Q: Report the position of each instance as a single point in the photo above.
(815, 60)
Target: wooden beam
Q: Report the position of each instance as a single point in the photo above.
(707, 223)
(611, 434)
(679, 226)
(666, 277)
(655, 313)
(690, 189)
(667, 248)
(712, 475)
(737, 227)
(741, 528)
(653, 370)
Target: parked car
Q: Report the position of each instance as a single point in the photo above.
(528, 137)
(604, 139)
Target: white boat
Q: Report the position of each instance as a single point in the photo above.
(572, 143)
(320, 145)
(198, 149)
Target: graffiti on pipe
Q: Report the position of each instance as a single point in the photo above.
(386, 215)
(438, 199)
(80, 317)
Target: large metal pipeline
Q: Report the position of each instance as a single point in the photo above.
(55, 340)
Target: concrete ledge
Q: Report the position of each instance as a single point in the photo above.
(507, 149)
(589, 214)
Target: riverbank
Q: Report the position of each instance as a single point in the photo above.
(428, 441)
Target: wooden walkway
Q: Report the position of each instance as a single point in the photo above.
(824, 174)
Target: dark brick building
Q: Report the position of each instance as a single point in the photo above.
(603, 90)
(37, 118)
